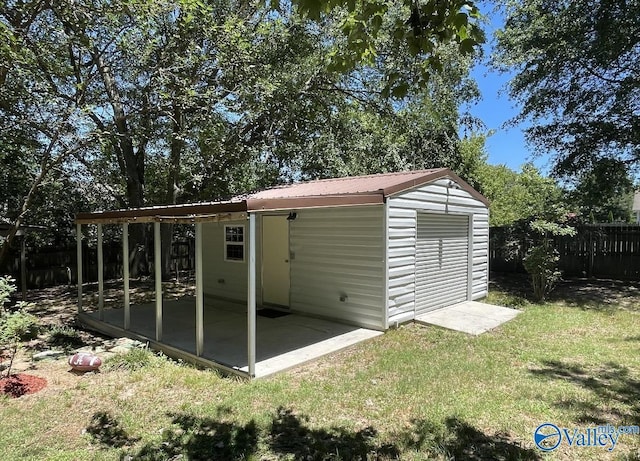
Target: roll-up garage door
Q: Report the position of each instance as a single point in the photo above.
(442, 260)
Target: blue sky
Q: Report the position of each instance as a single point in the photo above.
(507, 145)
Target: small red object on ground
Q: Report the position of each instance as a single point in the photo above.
(84, 361)
(21, 384)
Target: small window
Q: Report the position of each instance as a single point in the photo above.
(234, 243)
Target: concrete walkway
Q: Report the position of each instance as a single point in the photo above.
(469, 317)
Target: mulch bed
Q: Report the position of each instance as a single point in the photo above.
(21, 384)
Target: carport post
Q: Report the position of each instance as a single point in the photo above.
(251, 297)
(79, 263)
(100, 275)
(125, 275)
(157, 257)
(470, 259)
(199, 293)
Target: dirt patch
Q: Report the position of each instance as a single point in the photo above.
(56, 310)
(58, 305)
(21, 384)
(513, 283)
(580, 292)
(598, 293)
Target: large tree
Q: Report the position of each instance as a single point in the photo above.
(577, 76)
(181, 100)
(520, 196)
(39, 132)
(419, 27)
(603, 193)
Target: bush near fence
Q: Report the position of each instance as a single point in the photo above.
(54, 266)
(597, 250)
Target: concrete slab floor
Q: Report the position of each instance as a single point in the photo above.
(281, 342)
(470, 317)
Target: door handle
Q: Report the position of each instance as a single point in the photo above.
(286, 260)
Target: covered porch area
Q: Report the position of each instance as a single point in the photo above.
(282, 341)
(209, 331)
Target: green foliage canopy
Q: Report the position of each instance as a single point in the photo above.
(121, 103)
(520, 196)
(16, 324)
(603, 193)
(419, 27)
(577, 77)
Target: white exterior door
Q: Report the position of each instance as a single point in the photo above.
(275, 260)
(442, 261)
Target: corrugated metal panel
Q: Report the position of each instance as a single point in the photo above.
(442, 258)
(336, 252)
(434, 207)
(354, 185)
(434, 197)
(401, 238)
(480, 283)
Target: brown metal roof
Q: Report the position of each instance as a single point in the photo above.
(385, 184)
(355, 190)
(370, 184)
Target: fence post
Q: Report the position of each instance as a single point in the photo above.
(23, 266)
(591, 253)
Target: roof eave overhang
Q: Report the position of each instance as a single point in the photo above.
(223, 211)
(183, 213)
(320, 201)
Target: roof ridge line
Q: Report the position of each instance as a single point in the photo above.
(349, 178)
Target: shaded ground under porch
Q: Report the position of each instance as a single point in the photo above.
(281, 343)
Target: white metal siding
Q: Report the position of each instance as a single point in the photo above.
(480, 282)
(227, 279)
(432, 197)
(442, 259)
(402, 263)
(337, 252)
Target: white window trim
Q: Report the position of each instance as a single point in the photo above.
(225, 243)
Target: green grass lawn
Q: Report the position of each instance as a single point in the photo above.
(414, 393)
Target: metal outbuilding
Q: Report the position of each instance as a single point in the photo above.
(369, 251)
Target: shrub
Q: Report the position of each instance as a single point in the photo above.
(7, 288)
(133, 360)
(16, 324)
(541, 261)
(65, 337)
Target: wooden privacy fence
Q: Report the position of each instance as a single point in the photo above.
(597, 250)
(48, 267)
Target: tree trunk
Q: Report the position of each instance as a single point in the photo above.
(131, 162)
(140, 240)
(172, 189)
